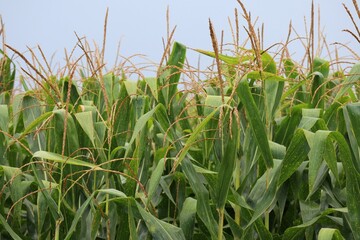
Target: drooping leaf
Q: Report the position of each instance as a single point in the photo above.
(295, 155)
(65, 160)
(160, 229)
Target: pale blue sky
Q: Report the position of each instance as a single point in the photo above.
(140, 24)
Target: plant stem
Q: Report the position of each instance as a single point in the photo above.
(267, 212)
(237, 185)
(221, 223)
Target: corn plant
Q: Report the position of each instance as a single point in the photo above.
(262, 151)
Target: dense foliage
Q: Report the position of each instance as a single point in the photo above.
(260, 151)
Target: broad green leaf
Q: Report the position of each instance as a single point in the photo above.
(4, 118)
(297, 232)
(256, 123)
(318, 89)
(78, 216)
(352, 183)
(268, 63)
(140, 124)
(168, 80)
(175, 62)
(212, 102)
(187, 217)
(193, 137)
(85, 120)
(31, 109)
(131, 87)
(273, 92)
(290, 69)
(266, 201)
(316, 154)
(42, 211)
(330, 234)
(295, 155)
(35, 123)
(352, 116)
(14, 175)
(227, 163)
(152, 83)
(53, 207)
(321, 149)
(132, 226)
(112, 191)
(288, 125)
(160, 229)
(353, 78)
(75, 98)
(155, 179)
(9, 229)
(71, 140)
(322, 66)
(235, 228)
(202, 195)
(65, 160)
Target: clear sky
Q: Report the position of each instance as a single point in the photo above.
(141, 24)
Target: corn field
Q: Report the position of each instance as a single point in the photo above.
(262, 148)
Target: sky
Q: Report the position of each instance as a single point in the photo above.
(140, 25)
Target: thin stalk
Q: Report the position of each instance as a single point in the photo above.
(221, 223)
(237, 185)
(58, 222)
(107, 206)
(267, 217)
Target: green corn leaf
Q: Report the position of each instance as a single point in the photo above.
(352, 183)
(352, 116)
(322, 66)
(9, 229)
(353, 78)
(268, 63)
(187, 217)
(132, 226)
(53, 207)
(320, 149)
(170, 77)
(160, 229)
(152, 83)
(78, 216)
(235, 228)
(202, 195)
(4, 118)
(224, 58)
(85, 120)
(121, 118)
(273, 92)
(297, 232)
(75, 98)
(140, 124)
(193, 137)
(155, 179)
(266, 201)
(227, 162)
(330, 234)
(35, 123)
(256, 123)
(65, 160)
(71, 140)
(295, 155)
(290, 69)
(318, 89)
